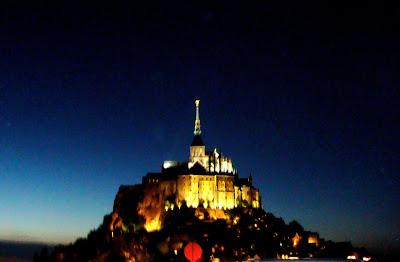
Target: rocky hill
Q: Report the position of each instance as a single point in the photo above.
(229, 235)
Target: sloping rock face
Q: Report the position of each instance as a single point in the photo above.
(137, 207)
(125, 216)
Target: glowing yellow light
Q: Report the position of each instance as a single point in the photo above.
(152, 225)
(366, 258)
(175, 252)
(351, 257)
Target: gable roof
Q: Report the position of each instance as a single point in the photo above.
(197, 169)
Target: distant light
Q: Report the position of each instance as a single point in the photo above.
(351, 257)
(168, 163)
(366, 258)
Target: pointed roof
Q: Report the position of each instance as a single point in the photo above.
(197, 141)
(197, 169)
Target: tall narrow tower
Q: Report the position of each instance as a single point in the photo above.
(197, 130)
(197, 148)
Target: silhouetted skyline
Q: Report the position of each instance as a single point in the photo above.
(303, 96)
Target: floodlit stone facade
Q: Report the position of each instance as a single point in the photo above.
(207, 179)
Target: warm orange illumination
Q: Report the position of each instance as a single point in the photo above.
(152, 225)
(151, 209)
(313, 239)
(199, 214)
(218, 214)
(196, 189)
(214, 191)
(295, 240)
(287, 257)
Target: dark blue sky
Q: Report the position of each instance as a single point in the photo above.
(303, 96)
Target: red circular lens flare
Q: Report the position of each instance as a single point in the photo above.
(193, 252)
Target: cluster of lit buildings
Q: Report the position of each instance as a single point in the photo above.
(207, 179)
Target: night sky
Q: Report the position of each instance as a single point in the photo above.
(303, 96)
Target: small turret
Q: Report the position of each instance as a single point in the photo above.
(250, 179)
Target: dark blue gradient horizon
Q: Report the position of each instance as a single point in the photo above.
(306, 103)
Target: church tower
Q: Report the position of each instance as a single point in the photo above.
(197, 148)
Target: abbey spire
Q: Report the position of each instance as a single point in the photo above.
(197, 141)
(197, 130)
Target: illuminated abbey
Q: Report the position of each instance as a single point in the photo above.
(207, 179)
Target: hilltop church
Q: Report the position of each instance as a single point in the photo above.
(207, 179)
